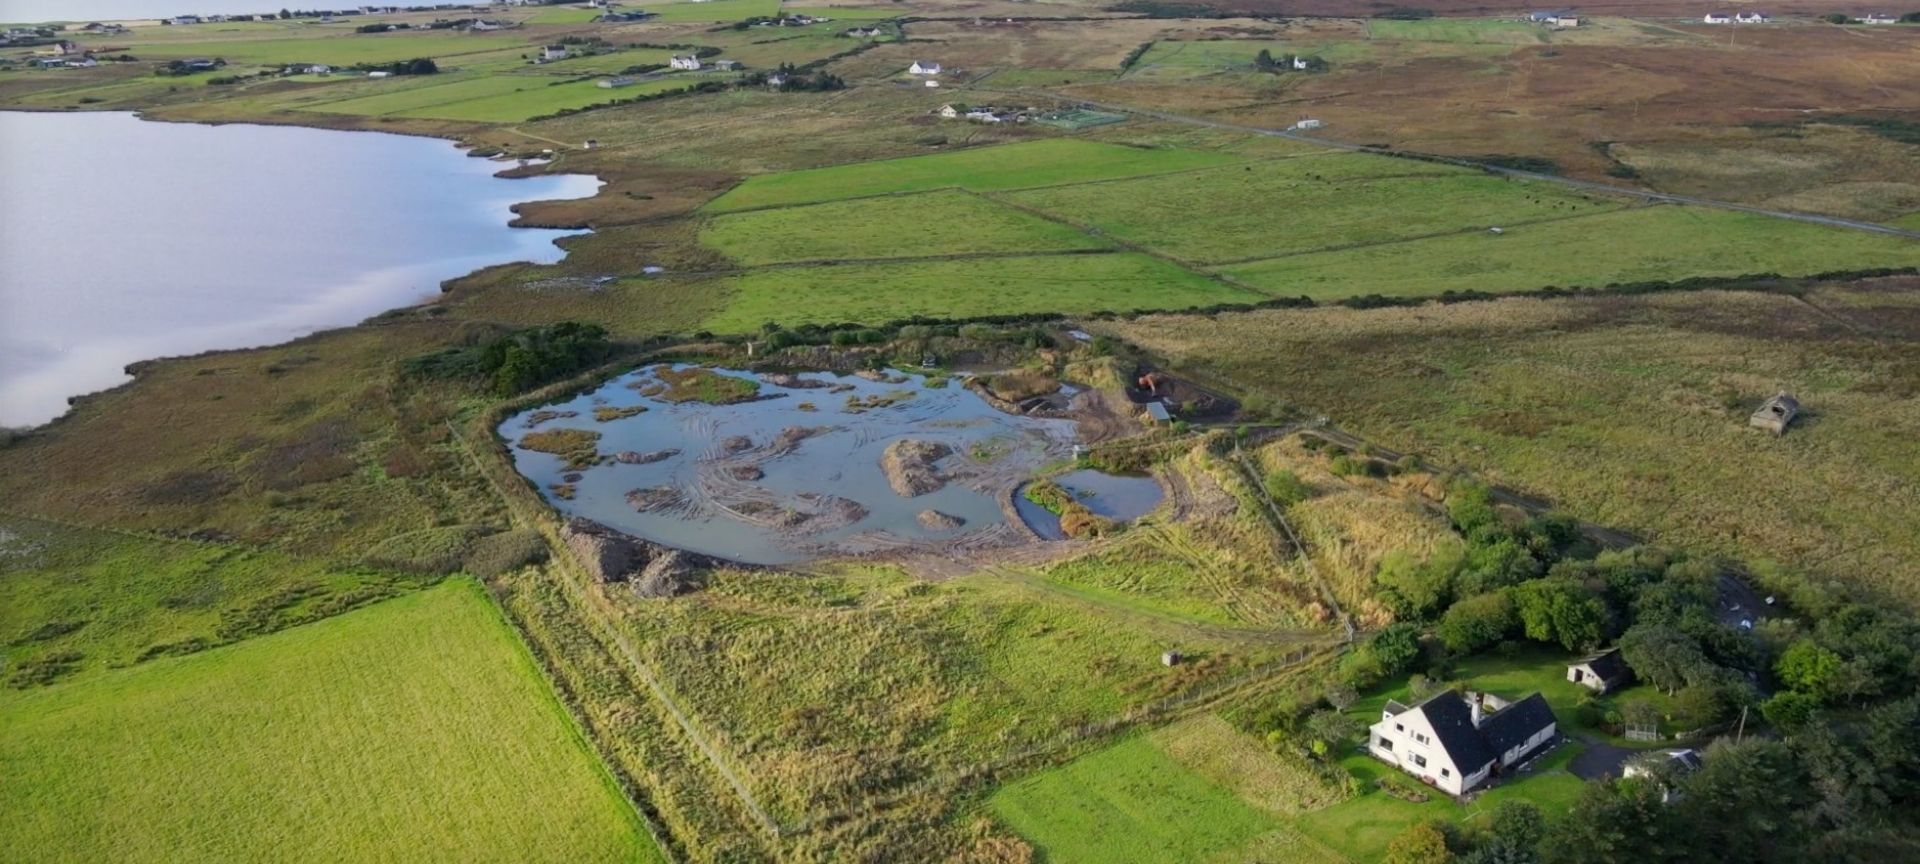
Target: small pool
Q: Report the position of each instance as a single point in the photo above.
(1120, 497)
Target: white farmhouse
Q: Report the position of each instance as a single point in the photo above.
(1718, 18)
(1751, 18)
(1457, 743)
(685, 61)
(552, 53)
(922, 67)
(1879, 18)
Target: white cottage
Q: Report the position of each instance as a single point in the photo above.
(1717, 18)
(687, 62)
(1456, 743)
(922, 67)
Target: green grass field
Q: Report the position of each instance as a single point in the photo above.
(1650, 243)
(1197, 790)
(339, 50)
(1294, 205)
(1130, 802)
(945, 222)
(402, 101)
(1499, 31)
(415, 730)
(712, 10)
(1012, 166)
(168, 596)
(1362, 826)
(521, 105)
(877, 293)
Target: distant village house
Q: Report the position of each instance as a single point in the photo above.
(552, 53)
(687, 62)
(923, 67)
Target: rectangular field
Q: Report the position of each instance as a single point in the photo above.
(415, 730)
(402, 101)
(945, 222)
(1294, 205)
(1198, 790)
(713, 10)
(1465, 30)
(877, 293)
(1649, 243)
(338, 50)
(1010, 166)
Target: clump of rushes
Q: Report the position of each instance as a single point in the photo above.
(580, 447)
(610, 413)
(695, 384)
(1076, 520)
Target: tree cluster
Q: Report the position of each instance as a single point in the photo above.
(416, 66)
(520, 360)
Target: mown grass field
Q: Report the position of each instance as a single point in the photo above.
(1198, 790)
(167, 596)
(947, 222)
(881, 292)
(713, 10)
(1362, 826)
(1293, 205)
(418, 730)
(1495, 30)
(338, 50)
(1626, 411)
(533, 102)
(405, 99)
(1651, 243)
(1034, 163)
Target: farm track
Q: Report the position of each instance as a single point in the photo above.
(1568, 182)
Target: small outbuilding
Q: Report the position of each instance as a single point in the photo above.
(1775, 413)
(1601, 672)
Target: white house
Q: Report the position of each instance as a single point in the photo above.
(1877, 18)
(552, 53)
(316, 69)
(484, 26)
(379, 74)
(776, 80)
(949, 111)
(864, 32)
(1600, 672)
(1307, 123)
(1456, 743)
(1751, 18)
(922, 67)
(1718, 18)
(685, 61)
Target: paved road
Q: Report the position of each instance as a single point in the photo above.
(1587, 185)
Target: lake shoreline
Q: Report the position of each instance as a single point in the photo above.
(445, 287)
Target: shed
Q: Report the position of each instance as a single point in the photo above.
(1157, 413)
(1600, 672)
(1775, 413)
(1171, 658)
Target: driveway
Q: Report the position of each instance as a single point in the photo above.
(1599, 759)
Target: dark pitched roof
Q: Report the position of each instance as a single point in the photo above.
(1452, 721)
(1513, 725)
(1606, 664)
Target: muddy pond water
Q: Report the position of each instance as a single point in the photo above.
(1120, 497)
(796, 472)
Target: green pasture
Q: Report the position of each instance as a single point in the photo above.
(1463, 30)
(844, 13)
(880, 292)
(758, 48)
(410, 99)
(415, 730)
(944, 222)
(1294, 205)
(609, 63)
(1362, 826)
(564, 15)
(1130, 802)
(1010, 166)
(545, 97)
(713, 10)
(1649, 243)
(338, 50)
(167, 596)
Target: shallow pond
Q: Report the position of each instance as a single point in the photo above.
(796, 473)
(1120, 497)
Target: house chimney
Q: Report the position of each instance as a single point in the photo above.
(1473, 699)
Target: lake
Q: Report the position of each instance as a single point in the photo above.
(124, 240)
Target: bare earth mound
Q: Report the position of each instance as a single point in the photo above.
(909, 466)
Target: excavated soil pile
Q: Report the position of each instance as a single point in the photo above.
(909, 465)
